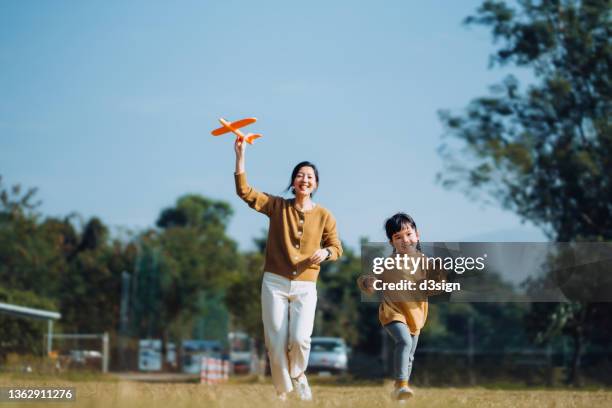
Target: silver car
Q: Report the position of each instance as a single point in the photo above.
(328, 354)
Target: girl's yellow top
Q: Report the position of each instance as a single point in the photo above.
(407, 306)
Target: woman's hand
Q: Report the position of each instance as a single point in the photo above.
(319, 256)
(239, 147)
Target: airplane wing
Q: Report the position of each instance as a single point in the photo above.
(242, 123)
(220, 131)
(235, 125)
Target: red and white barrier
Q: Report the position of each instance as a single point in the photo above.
(214, 371)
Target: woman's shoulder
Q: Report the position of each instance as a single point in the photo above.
(281, 203)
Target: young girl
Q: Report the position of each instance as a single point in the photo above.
(402, 314)
(302, 234)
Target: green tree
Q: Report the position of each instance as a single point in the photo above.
(30, 263)
(544, 150)
(30, 255)
(146, 302)
(79, 271)
(22, 335)
(184, 266)
(243, 298)
(339, 306)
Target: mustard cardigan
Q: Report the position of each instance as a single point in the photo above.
(294, 235)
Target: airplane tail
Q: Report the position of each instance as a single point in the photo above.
(251, 136)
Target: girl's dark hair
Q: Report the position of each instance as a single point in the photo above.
(295, 172)
(398, 221)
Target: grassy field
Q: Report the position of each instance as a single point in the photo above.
(253, 395)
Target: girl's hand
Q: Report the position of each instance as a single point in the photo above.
(368, 284)
(319, 256)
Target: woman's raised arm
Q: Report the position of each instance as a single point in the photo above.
(262, 202)
(239, 148)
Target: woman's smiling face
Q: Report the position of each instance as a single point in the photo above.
(305, 182)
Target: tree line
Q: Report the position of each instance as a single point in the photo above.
(188, 280)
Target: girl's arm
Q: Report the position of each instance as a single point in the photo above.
(262, 202)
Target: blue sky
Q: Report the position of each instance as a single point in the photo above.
(107, 107)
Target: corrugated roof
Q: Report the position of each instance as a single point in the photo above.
(21, 311)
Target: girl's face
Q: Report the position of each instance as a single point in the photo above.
(405, 240)
(305, 181)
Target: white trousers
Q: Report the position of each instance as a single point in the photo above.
(288, 312)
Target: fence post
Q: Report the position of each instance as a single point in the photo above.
(49, 336)
(105, 352)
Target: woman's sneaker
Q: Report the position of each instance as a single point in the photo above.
(302, 388)
(402, 393)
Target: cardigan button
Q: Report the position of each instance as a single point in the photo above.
(294, 273)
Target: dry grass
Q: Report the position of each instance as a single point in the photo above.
(152, 395)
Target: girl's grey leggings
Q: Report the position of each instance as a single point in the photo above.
(405, 346)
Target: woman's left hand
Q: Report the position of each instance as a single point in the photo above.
(319, 256)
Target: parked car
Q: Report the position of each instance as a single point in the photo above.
(328, 354)
(89, 359)
(241, 352)
(194, 350)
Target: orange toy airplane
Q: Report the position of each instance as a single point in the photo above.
(234, 126)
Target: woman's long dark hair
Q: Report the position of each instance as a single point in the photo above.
(295, 172)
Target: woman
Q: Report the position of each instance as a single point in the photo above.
(301, 235)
